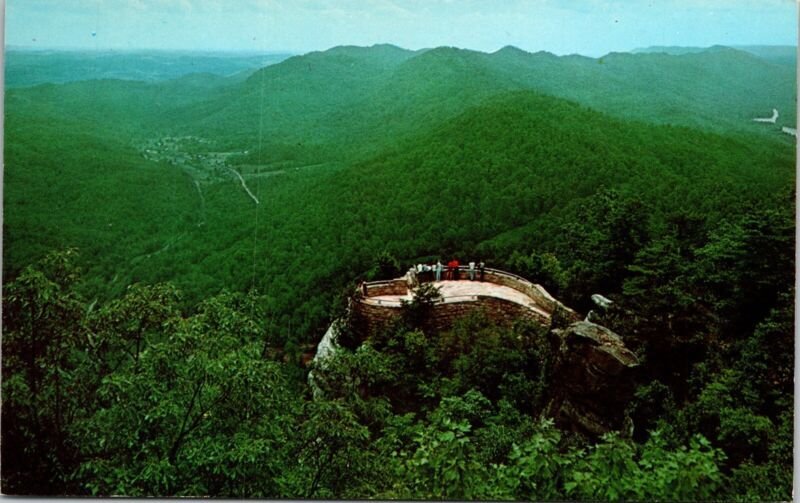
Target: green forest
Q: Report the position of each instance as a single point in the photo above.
(175, 246)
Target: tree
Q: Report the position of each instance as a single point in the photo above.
(385, 266)
(616, 470)
(42, 336)
(417, 312)
(542, 268)
(441, 461)
(198, 413)
(330, 444)
(747, 263)
(600, 243)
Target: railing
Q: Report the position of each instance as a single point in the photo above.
(446, 300)
(389, 283)
(399, 286)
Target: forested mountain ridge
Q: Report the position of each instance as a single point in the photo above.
(503, 162)
(782, 54)
(340, 95)
(648, 183)
(678, 89)
(502, 165)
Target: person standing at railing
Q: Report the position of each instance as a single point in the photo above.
(411, 278)
(472, 270)
(438, 269)
(481, 266)
(455, 269)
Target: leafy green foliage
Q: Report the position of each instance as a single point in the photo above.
(385, 267)
(417, 311)
(41, 316)
(615, 471)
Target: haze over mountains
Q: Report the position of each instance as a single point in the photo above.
(349, 90)
(783, 54)
(28, 67)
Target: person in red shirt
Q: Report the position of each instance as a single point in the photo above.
(455, 268)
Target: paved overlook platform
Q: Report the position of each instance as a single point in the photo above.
(468, 291)
(502, 296)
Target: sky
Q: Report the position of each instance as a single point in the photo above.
(588, 27)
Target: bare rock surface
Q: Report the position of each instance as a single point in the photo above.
(593, 378)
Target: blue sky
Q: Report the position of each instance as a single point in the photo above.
(590, 27)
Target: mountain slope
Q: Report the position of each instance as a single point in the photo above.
(521, 155)
(422, 153)
(720, 89)
(781, 54)
(349, 101)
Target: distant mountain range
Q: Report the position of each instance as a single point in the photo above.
(27, 67)
(783, 54)
(364, 96)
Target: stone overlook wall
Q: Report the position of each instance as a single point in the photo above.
(532, 290)
(371, 314)
(371, 317)
(390, 287)
(592, 372)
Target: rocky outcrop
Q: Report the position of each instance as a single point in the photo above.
(601, 301)
(592, 378)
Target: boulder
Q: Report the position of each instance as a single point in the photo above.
(601, 301)
(593, 375)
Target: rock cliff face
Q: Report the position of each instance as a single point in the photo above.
(593, 375)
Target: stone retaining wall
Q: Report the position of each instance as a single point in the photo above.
(391, 287)
(499, 311)
(369, 318)
(371, 315)
(534, 291)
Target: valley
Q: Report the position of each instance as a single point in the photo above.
(176, 243)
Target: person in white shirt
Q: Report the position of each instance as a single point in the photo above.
(472, 271)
